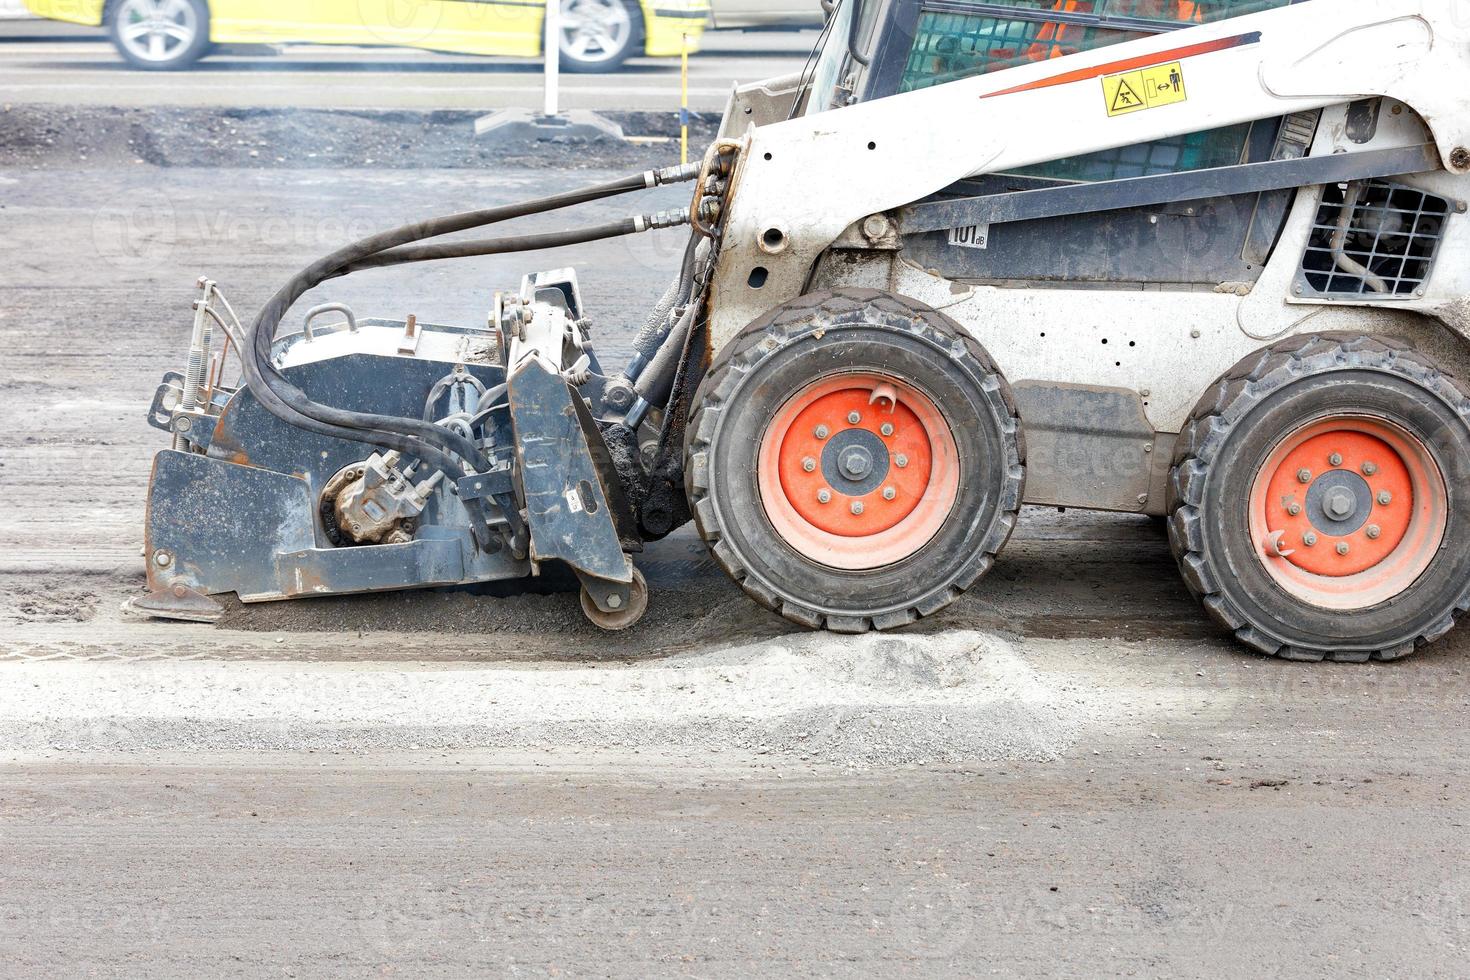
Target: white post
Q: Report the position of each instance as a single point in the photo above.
(552, 47)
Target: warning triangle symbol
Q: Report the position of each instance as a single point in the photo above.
(1125, 98)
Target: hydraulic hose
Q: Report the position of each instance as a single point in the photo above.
(405, 254)
(433, 444)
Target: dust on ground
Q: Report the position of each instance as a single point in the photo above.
(877, 700)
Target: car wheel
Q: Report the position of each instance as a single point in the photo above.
(599, 35)
(158, 35)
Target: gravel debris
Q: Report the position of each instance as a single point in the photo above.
(875, 700)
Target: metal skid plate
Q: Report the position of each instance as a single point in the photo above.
(567, 504)
(217, 527)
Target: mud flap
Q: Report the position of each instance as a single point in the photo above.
(574, 507)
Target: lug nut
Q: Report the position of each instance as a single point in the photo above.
(1295, 510)
(857, 507)
(1342, 548)
(889, 493)
(1385, 498)
(822, 432)
(853, 418)
(901, 461)
(824, 496)
(1374, 531)
(1335, 459)
(1309, 539)
(809, 464)
(1304, 475)
(1370, 468)
(886, 428)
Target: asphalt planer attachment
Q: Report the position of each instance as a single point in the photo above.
(410, 455)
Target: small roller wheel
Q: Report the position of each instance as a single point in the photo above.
(1319, 501)
(854, 460)
(620, 619)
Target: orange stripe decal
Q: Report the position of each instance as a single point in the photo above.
(1132, 64)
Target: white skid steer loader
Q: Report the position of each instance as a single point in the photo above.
(1200, 260)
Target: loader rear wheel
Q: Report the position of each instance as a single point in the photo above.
(855, 460)
(1319, 504)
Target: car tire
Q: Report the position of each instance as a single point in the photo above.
(599, 35)
(159, 35)
(1319, 501)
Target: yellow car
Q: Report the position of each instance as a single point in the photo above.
(596, 35)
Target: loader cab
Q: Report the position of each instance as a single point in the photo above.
(898, 46)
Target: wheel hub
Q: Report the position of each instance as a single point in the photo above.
(1340, 502)
(857, 471)
(1348, 512)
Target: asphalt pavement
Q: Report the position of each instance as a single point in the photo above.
(45, 62)
(1067, 772)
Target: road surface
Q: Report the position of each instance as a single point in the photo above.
(1067, 771)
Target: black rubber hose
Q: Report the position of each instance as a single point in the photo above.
(426, 441)
(405, 254)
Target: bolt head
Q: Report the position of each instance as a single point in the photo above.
(1309, 539)
(183, 423)
(857, 507)
(900, 461)
(886, 428)
(1338, 504)
(162, 559)
(889, 493)
(824, 496)
(1370, 468)
(809, 464)
(1342, 548)
(615, 601)
(1335, 459)
(1374, 531)
(1385, 498)
(1304, 475)
(853, 418)
(822, 432)
(1295, 510)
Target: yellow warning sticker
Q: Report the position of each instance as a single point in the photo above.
(1147, 88)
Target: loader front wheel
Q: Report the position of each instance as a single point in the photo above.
(1319, 501)
(855, 460)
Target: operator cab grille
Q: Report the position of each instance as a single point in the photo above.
(1372, 239)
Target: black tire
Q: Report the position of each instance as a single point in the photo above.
(1227, 440)
(832, 333)
(176, 56)
(632, 45)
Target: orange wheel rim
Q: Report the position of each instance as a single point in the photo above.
(1347, 513)
(858, 471)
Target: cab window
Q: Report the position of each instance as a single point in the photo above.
(956, 39)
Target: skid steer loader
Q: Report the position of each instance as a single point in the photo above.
(1205, 261)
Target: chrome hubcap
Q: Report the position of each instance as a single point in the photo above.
(156, 30)
(594, 30)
